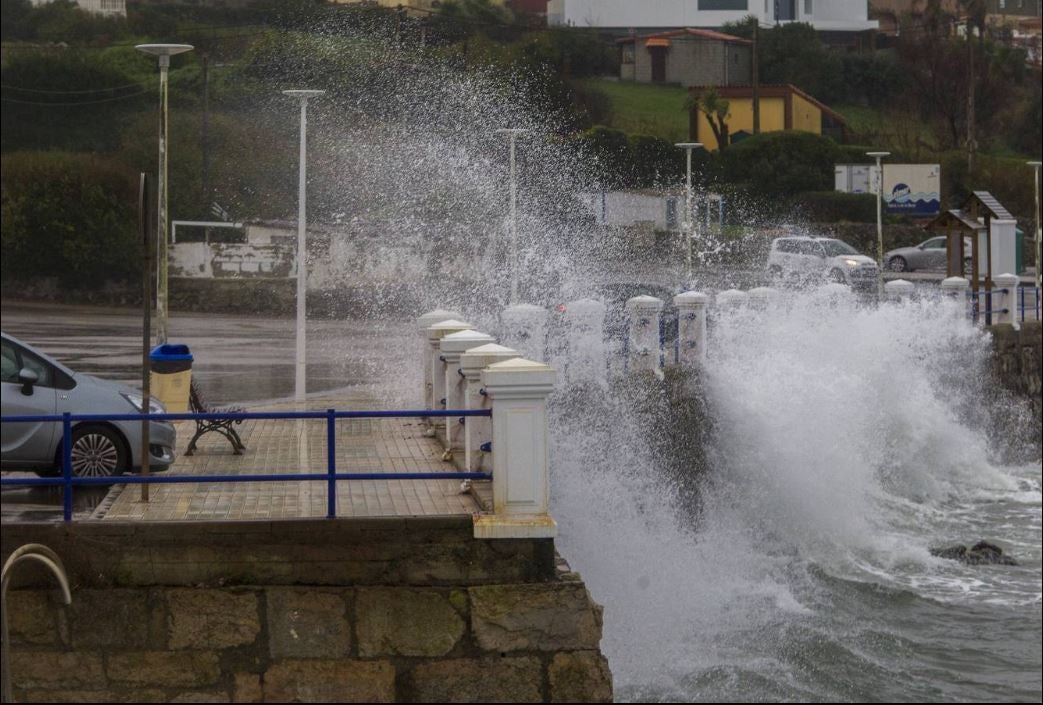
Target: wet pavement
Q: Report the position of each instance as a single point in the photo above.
(238, 360)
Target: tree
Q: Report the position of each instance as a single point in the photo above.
(717, 111)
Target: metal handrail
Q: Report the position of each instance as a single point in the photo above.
(67, 481)
(50, 559)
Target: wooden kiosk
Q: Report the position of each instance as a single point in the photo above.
(974, 220)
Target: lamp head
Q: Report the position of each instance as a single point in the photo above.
(164, 51)
(299, 93)
(878, 155)
(688, 145)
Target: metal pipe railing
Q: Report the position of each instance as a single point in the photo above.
(67, 481)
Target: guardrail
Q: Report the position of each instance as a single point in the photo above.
(68, 481)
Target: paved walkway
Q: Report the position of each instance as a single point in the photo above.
(288, 447)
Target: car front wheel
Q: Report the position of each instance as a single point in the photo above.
(897, 264)
(97, 451)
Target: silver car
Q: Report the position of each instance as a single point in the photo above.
(33, 384)
(929, 254)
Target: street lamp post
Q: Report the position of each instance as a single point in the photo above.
(513, 133)
(688, 147)
(300, 358)
(1035, 167)
(879, 219)
(163, 52)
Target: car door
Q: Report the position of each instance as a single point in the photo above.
(30, 443)
(933, 253)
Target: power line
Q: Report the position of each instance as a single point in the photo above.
(72, 103)
(80, 92)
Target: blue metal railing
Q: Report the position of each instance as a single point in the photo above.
(1020, 308)
(67, 481)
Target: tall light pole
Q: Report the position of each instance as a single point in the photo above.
(688, 147)
(300, 358)
(513, 133)
(879, 219)
(1035, 167)
(163, 52)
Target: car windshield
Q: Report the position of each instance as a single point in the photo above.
(836, 248)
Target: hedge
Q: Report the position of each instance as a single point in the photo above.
(69, 216)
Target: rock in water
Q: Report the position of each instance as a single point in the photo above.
(981, 553)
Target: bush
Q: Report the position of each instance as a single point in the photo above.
(780, 163)
(70, 216)
(837, 207)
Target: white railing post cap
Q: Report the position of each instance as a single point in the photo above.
(436, 331)
(691, 298)
(464, 340)
(955, 283)
(644, 302)
(519, 375)
(437, 316)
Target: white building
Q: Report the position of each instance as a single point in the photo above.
(109, 8)
(624, 15)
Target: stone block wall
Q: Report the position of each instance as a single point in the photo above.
(402, 612)
(1017, 358)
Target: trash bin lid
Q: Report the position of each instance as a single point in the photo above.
(171, 351)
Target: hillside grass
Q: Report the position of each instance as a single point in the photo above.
(644, 108)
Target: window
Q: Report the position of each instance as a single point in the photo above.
(9, 364)
(15, 360)
(808, 7)
(723, 4)
(937, 243)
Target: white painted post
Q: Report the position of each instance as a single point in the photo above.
(423, 323)
(898, 289)
(478, 430)
(645, 312)
(435, 333)
(1005, 299)
(691, 327)
(585, 323)
(524, 328)
(956, 288)
(452, 346)
(762, 297)
(731, 300)
(518, 390)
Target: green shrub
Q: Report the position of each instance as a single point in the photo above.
(775, 164)
(837, 207)
(70, 216)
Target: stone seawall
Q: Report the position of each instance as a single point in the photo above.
(1017, 359)
(396, 610)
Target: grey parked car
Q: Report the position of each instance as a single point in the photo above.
(929, 254)
(33, 384)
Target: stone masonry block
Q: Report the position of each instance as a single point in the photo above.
(247, 688)
(580, 677)
(307, 623)
(34, 616)
(330, 681)
(536, 617)
(212, 618)
(165, 669)
(489, 679)
(147, 695)
(406, 622)
(45, 669)
(118, 618)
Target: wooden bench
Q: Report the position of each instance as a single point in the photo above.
(223, 426)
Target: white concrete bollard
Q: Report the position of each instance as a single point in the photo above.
(451, 347)
(518, 390)
(585, 326)
(762, 297)
(691, 327)
(478, 430)
(435, 334)
(524, 328)
(732, 299)
(898, 290)
(423, 323)
(644, 312)
(957, 288)
(1006, 303)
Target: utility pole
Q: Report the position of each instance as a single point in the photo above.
(206, 135)
(689, 235)
(879, 219)
(145, 231)
(756, 79)
(1035, 167)
(513, 133)
(970, 103)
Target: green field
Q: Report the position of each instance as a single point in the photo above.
(643, 108)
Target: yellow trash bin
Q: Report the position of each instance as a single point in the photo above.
(170, 375)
